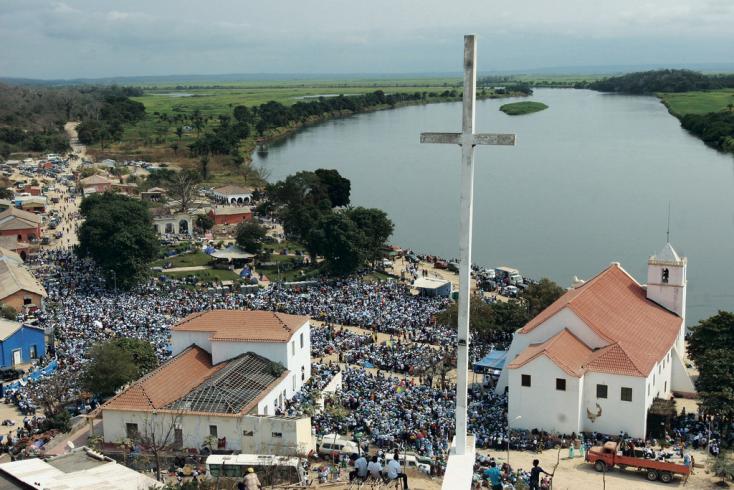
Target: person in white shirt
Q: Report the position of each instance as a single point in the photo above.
(394, 472)
(360, 467)
(375, 468)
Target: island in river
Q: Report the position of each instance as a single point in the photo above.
(524, 107)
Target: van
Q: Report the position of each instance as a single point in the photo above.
(335, 442)
(411, 461)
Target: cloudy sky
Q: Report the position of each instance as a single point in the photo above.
(100, 38)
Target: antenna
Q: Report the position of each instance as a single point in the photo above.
(668, 233)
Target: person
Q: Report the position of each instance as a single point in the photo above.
(535, 475)
(494, 476)
(375, 468)
(360, 467)
(251, 480)
(394, 472)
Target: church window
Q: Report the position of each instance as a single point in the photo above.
(666, 275)
(601, 391)
(626, 394)
(526, 380)
(666, 387)
(560, 384)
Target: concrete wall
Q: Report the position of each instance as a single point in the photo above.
(541, 405)
(23, 339)
(565, 318)
(276, 397)
(617, 415)
(23, 235)
(247, 434)
(180, 340)
(17, 300)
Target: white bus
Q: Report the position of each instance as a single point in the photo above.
(271, 470)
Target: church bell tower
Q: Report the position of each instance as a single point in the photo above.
(666, 282)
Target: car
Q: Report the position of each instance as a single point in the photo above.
(10, 374)
(386, 263)
(453, 266)
(509, 291)
(441, 264)
(45, 240)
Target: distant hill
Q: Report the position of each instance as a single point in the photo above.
(649, 82)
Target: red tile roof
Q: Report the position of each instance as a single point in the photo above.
(243, 325)
(615, 306)
(564, 349)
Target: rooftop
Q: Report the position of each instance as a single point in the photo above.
(429, 283)
(564, 349)
(243, 325)
(15, 277)
(233, 190)
(95, 179)
(230, 210)
(17, 219)
(616, 308)
(190, 383)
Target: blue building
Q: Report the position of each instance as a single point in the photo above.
(20, 344)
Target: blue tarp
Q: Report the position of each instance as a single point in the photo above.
(367, 364)
(494, 360)
(35, 376)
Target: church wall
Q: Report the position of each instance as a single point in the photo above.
(659, 381)
(541, 405)
(616, 415)
(565, 318)
(180, 340)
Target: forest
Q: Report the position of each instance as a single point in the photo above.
(650, 82)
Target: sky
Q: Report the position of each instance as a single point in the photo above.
(104, 38)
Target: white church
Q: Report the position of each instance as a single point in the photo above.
(596, 358)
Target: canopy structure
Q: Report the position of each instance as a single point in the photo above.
(232, 252)
(495, 361)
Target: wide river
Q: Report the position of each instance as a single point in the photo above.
(588, 183)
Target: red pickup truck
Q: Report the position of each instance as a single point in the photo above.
(608, 456)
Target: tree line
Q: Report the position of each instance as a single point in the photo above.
(116, 110)
(650, 82)
(714, 128)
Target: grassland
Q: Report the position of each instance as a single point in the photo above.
(520, 108)
(703, 102)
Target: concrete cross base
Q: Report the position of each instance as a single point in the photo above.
(460, 467)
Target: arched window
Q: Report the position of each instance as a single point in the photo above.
(169, 227)
(665, 275)
(183, 227)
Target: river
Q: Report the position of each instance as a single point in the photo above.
(588, 183)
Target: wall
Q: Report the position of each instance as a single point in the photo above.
(25, 233)
(617, 415)
(275, 398)
(541, 406)
(23, 339)
(659, 382)
(180, 340)
(295, 433)
(16, 300)
(565, 318)
(161, 222)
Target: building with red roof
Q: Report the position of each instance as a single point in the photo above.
(596, 358)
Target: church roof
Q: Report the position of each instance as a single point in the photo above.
(667, 255)
(616, 308)
(564, 349)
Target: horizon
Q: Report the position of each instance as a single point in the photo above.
(84, 39)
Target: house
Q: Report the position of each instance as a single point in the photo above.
(166, 221)
(18, 287)
(11, 244)
(80, 469)
(232, 194)
(131, 189)
(23, 225)
(230, 215)
(20, 343)
(599, 355)
(95, 183)
(32, 204)
(432, 287)
(231, 370)
(154, 194)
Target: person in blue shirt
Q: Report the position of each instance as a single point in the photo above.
(494, 476)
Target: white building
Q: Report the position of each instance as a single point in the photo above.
(432, 286)
(168, 222)
(596, 358)
(232, 194)
(231, 371)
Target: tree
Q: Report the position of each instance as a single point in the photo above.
(54, 392)
(541, 295)
(158, 434)
(115, 363)
(488, 321)
(118, 234)
(376, 227)
(711, 348)
(250, 236)
(6, 193)
(722, 466)
(204, 166)
(337, 187)
(179, 132)
(183, 187)
(8, 312)
(340, 241)
(205, 222)
(174, 147)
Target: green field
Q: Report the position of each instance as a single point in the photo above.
(520, 108)
(206, 275)
(684, 103)
(185, 260)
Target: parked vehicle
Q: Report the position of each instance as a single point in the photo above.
(509, 291)
(441, 264)
(508, 275)
(271, 470)
(608, 456)
(10, 374)
(335, 442)
(412, 461)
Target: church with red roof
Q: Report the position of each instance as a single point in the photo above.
(596, 358)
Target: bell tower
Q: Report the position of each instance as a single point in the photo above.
(666, 283)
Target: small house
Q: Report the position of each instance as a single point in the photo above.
(232, 194)
(230, 215)
(20, 343)
(433, 287)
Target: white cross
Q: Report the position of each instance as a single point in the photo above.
(467, 139)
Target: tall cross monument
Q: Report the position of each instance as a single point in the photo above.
(467, 139)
